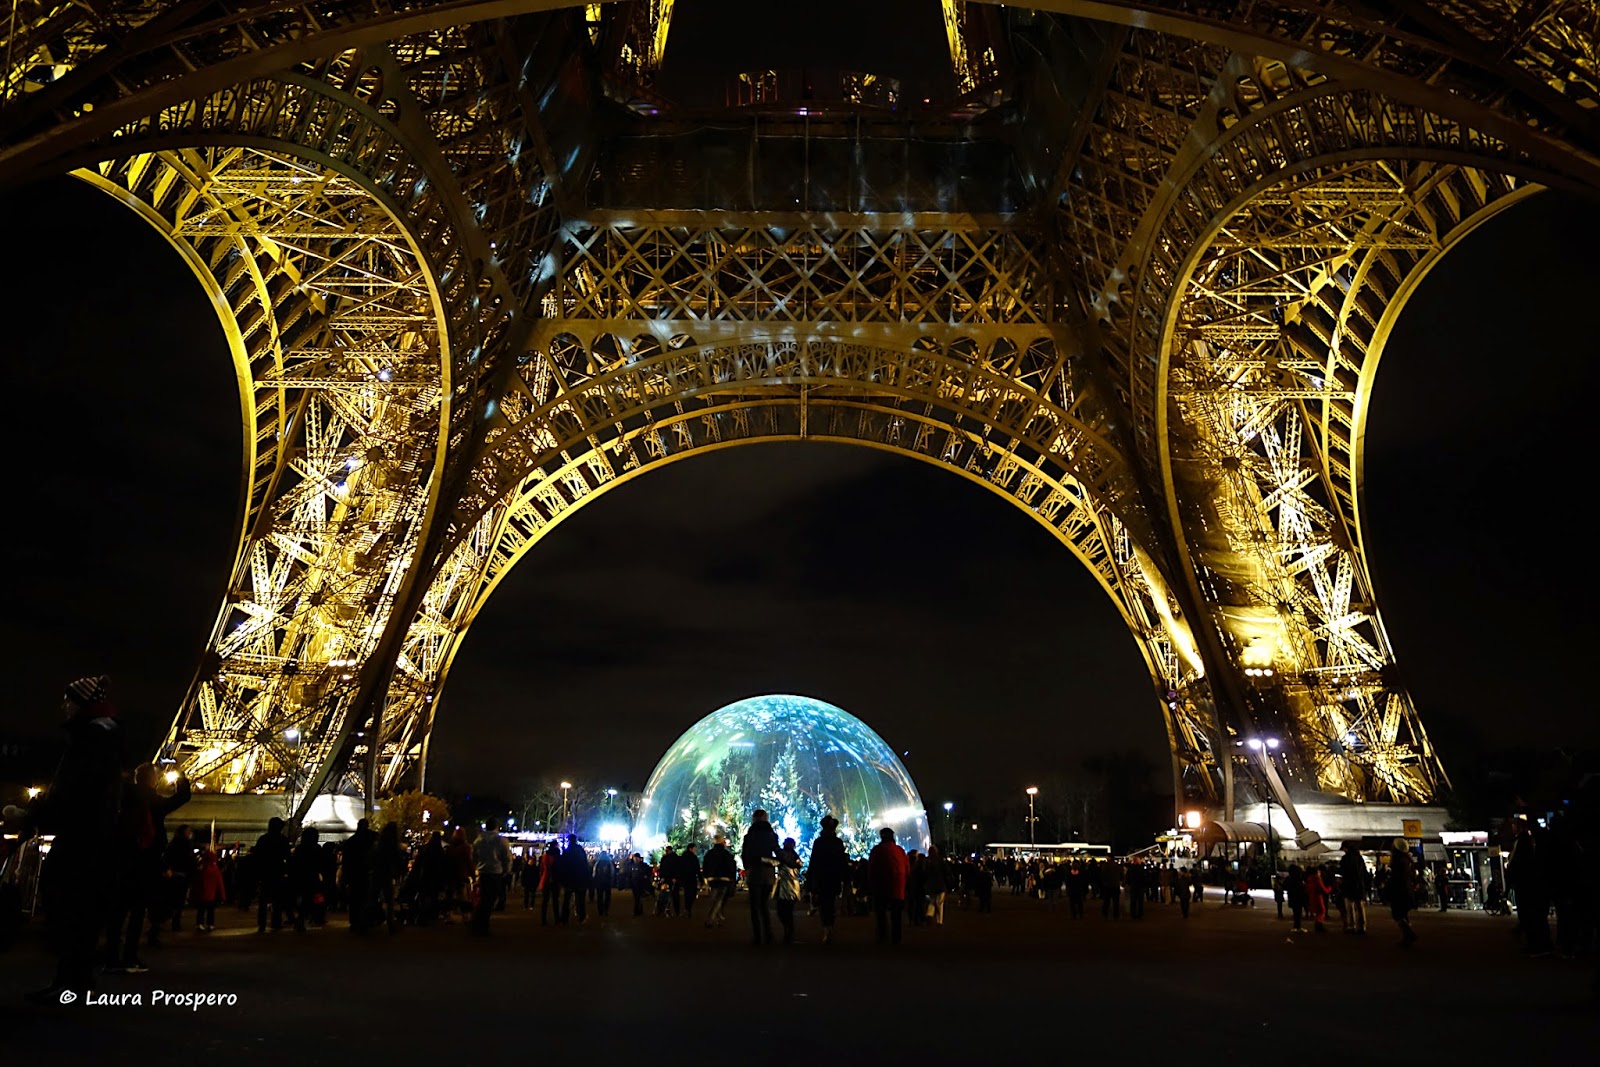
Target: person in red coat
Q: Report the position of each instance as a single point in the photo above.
(208, 892)
(1317, 898)
(887, 870)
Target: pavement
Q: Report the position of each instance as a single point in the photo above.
(1229, 982)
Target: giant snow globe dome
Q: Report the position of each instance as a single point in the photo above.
(798, 758)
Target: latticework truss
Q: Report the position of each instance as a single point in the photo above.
(452, 328)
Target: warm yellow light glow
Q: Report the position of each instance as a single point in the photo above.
(1191, 819)
(958, 45)
(660, 24)
(1033, 790)
(566, 785)
(172, 776)
(34, 791)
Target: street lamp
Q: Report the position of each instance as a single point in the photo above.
(292, 736)
(1265, 746)
(949, 838)
(34, 791)
(1033, 791)
(565, 786)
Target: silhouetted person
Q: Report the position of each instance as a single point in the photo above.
(688, 879)
(575, 878)
(355, 871)
(305, 879)
(271, 861)
(888, 868)
(80, 809)
(179, 867)
(1530, 883)
(786, 890)
(1401, 897)
(389, 872)
(830, 866)
(492, 858)
(759, 853)
(605, 876)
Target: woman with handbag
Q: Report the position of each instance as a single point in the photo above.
(786, 894)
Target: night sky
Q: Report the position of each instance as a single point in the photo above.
(945, 618)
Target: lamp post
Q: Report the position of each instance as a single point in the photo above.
(1266, 746)
(1033, 791)
(292, 736)
(949, 838)
(565, 789)
(611, 804)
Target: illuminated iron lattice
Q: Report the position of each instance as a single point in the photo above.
(470, 279)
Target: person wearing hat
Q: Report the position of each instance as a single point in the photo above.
(81, 809)
(829, 865)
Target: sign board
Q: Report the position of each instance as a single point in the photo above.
(1410, 827)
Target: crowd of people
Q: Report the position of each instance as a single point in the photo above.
(116, 882)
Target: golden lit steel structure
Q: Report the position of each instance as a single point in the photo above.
(474, 272)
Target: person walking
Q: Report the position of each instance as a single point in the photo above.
(138, 851)
(575, 878)
(305, 877)
(1353, 888)
(389, 873)
(786, 889)
(179, 868)
(528, 876)
(935, 884)
(830, 866)
(759, 854)
(355, 873)
(1111, 890)
(1401, 899)
(1138, 889)
(208, 891)
(1317, 890)
(1294, 891)
(80, 808)
(549, 884)
(458, 871)
(491, 857)
(641, 881)
(605, 876)
(271, 861)
(887, 871)
(429, 874)
(1530, 884)
(688, 879)
(722, 875)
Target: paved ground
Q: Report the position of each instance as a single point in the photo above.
(1229, 982)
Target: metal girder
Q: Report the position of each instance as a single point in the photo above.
(658, 409)
(129, 58)
(336, 479)
(446, 343)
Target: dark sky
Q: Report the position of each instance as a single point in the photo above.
(941, 615)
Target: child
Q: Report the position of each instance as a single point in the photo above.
(664, 899)
(208, 892)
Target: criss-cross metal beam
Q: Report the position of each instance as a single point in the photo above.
(448, 338)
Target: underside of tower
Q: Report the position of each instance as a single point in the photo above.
(1130, 265)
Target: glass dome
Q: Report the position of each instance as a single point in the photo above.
(798, 758)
